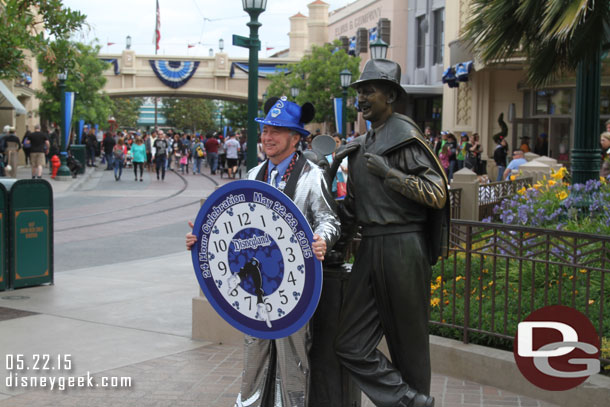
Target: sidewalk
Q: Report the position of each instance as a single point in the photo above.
(134, 320)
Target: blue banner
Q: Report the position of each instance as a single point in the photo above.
(69, 100)
(338, 105)
(81, 126)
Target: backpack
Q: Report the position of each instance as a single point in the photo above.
(118, 153)
(199, 151)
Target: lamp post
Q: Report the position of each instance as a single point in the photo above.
(346, 79)
(64, 172)
(128, 42)
(254, 8)
(294, 92)
(221, 44)
(379, 49)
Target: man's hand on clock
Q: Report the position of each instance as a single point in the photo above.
(319, 247)
(191, 239)
(377, 165)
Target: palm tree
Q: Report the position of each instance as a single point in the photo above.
(554, 36)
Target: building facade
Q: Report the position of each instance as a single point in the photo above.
(545, 116)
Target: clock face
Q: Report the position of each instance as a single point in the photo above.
(253, 259)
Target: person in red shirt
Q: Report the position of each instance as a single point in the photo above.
(211, 149)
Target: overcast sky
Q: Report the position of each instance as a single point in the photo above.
(197, 22)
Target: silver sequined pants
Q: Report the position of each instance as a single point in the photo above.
(279, 365)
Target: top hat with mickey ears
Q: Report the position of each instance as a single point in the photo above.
(282, 113)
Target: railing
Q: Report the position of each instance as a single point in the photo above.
(455, 199)
(496, 275)
(491, 194)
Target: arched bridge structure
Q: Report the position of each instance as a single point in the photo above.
(216, 77)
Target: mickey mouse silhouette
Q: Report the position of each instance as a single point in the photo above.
(252, 269)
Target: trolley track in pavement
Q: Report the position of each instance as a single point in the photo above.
(185, 184)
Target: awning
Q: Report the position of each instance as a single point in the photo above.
(423, 89)
(7, 95)
(263, 69)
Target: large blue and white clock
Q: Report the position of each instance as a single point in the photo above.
(253, 259)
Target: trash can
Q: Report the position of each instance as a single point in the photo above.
(4, 234)
(79, 152)
(30, 217)
(331, 385)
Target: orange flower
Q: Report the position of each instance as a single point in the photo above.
(435, 301)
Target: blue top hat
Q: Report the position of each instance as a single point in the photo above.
(283, 113)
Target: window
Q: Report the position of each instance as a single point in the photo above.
(421, 40)
(439, 36)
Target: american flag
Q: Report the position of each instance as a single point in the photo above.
(157, 36)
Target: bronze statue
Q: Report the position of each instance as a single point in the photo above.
(397, 192)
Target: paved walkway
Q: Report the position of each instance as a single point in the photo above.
(132, 319)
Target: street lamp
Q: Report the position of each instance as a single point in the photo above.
(64, 172)
(211, 52)
(254, 8)
(379, 49)
(294, 92)
(221, 44)
(346, 79)
(128, 42)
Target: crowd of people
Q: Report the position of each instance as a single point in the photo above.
(159, 151)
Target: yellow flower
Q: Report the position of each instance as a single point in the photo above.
(591, 302)
(603, 180)
(537, 185)
(551, 182)
(438, 279)
(458, 278)
(571, 277)
(435, 301)
(558, 175)
(562, 195)
(522, 191)
(513, 177)
(582, 271)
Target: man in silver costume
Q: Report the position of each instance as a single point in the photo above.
(397, 191)
(276, 372)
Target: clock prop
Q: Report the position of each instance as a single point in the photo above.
(253, 259)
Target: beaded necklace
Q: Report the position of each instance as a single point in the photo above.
(291, 165)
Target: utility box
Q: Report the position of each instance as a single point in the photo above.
(4, 234)
(30, 217)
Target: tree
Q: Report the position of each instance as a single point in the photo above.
(317, 77)
(126, 111)
(85, 78)
(189, 113)
(236, 114)
(553, 35)
(32, 25)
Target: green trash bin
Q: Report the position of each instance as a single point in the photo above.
(80, 153)
(4, 234)
(30, 233)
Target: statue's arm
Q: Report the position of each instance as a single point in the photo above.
(414, 175)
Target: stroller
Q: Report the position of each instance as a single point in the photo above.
(73, 164)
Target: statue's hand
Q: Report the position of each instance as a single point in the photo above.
(377, 165)
(345, 150)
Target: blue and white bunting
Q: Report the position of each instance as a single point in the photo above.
(174, 73)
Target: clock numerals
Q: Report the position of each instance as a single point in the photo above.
(269, 307)
(220, 245)
(281, 233)
(291, 256)
(228, 227)
(244, 219)
(291, 279)
(234, 293)
(249, 299)
(223, 267)
(284, 300)
(263, 220)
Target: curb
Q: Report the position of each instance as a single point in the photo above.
(497, 368)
